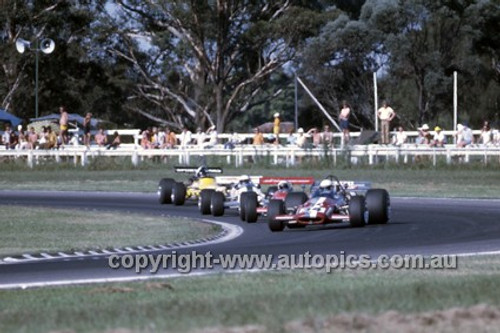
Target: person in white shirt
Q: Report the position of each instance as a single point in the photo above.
(439, 139)
(464, 136)
(185, 137)
(200, 137)
(400, 137)
(486, 137)
(385, 114)
(212, 137)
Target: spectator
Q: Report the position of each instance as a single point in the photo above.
(301, 138)
(22, 139)
(200, 137)
(495, 136)
(258, 138)
(6, 137)
(345, 112)
(316, 137)
(116, 141)
(385, 114)
(400, 137)
(171, 139)
(100, 138)
(439, 139)
(291, 139)
(185, 137)
(51, 141)
(33, 138)
(233, 141)
(43, 138)
(146, 139)
(464, 136)
(212, 137)
(276, 128)
(162, 137)
(424, 136)
(486, 137)
(155, 142)
(327, 136)
(63, 125)
(86, 129)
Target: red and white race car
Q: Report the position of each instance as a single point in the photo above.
(331, 201)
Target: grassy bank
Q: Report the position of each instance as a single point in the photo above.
(34, 230)
(471, 180)
(272, 301)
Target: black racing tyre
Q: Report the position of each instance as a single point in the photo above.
(204, 201)
(242, 205)
(357, 211)
(270, 191)
(217, 203)
(165, 190)
(251, 203)
(178, 194)
(275, 208)
(378, 206)
(294, 199)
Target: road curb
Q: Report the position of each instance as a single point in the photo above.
(228, 233)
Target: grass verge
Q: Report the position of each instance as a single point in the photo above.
(474, 181)
(33, 230)
(286, 301)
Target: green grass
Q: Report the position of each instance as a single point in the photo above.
(34, 230)
(474, 180)
(270, 300)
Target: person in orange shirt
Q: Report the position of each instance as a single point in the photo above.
(171, 139)
(258, 138)
(276, 127)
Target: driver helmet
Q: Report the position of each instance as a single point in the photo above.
(284, 185)
(244, 179)
(326, 185)
(201, 172)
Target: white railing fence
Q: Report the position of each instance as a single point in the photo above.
(275, 154)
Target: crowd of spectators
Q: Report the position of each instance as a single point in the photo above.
(462, 137)
(50, 137)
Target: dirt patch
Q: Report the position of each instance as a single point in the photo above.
(479, 318)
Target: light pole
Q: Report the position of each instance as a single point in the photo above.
(47, 46)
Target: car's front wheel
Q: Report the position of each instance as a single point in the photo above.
(204, 201)
(357, 211)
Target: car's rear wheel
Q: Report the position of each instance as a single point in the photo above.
(165, 190)
(217, 203)
(204, 201)
(275, 208)
(251, 204)
(378, 206)
(294, 199)
(357, 211)
(178, 194)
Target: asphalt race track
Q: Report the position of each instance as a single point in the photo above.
(418, 226)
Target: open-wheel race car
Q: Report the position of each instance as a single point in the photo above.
(331, 201)
(202, 181)
(246, 195)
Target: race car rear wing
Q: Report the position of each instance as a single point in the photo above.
(183, 169)
(228, 180)
(291, 180)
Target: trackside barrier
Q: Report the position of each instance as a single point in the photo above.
(277, 155)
